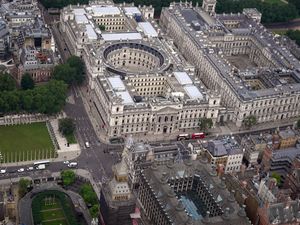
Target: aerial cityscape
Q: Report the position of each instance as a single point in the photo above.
(144, 112)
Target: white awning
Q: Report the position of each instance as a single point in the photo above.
(193, 92)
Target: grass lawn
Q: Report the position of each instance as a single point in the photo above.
(52, 214)
(56, 222)
(25, 142)
(53, 207)
(71, 139)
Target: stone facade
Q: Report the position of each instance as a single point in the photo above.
(235, 54)
(138, 84)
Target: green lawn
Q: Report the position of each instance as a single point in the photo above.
(25, 142)
(71, 139)
(56, 222)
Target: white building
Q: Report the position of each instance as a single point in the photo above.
(138, 82)
(233, 53)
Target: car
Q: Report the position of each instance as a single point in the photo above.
(30, 168)
(66, 162)
(72, 164)
(3, 171)
(87, 144)
(21, 170)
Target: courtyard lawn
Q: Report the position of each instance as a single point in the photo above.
(25, 142)
(71, 139)
(53, 208)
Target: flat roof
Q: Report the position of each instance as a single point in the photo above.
(183, 78)
(121, 36)
(127, 100)
(81, 19)
(91, 32)
(132, 11)
(104, 11)
(116, 83)
(148, 29)
(79, 11)
(193, 92)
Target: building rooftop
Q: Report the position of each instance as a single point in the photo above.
(99, 10)
(121, 36)
(160, 180)
(132, 11)
(204, 30)
(147, 29)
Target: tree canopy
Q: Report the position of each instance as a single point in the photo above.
(48, 99)
(250, 121)
(68, 177)
(88, 194)
(205, 123)
(24, 184)
(66, 126)
(27, 82)
(71, 72)
(294, 35)
(7, 83)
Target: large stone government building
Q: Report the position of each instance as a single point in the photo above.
(235, 54)
(146, 78)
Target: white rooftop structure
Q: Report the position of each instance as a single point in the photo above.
(81, 19)
(105, 11)
(79, 11)
(116, 83)
(121, 36)
(127, 100)
(183, 78)
(91, 32)
(193, 92)
(148, 29)
(132, 11)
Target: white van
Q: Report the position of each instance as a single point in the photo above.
(87, 144)
(72, 164)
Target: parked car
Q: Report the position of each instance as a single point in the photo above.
(3, 171)
(87, 144)
(66, 162)
(21, 170)
(72, 164)
(30, 168)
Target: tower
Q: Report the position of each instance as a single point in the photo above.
(117, 201)
(209, 6)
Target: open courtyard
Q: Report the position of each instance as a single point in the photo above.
(53, 208)
(25, 142)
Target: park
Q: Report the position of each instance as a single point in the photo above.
(25, 142)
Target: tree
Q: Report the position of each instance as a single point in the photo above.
(64, 73)
(205, 123)
(250, 121)
(88, 194)
(27, 82)
(94, 211)
(68, 177)
(66, 126)
(24, 185)
(7, 83)
(77, 63)
(102, 27)
(277, 177)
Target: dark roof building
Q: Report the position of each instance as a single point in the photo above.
(188, 193)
